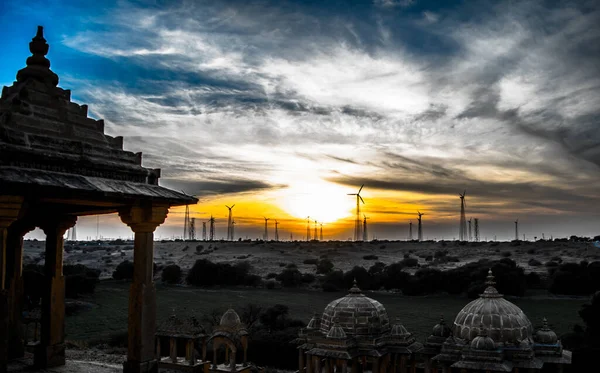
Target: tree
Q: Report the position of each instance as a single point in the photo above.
(171, 274)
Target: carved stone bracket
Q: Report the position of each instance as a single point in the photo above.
(144, 219)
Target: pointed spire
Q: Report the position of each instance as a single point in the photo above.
(545, 327)
(442, 321)
(490, 278)
(355, 289)
(38, 66)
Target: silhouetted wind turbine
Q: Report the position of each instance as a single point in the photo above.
(308, 228)
(420, 229)
(266, 234)
(365, 236)
(463, 219)
(321, 231)
(517, 230)
(233, 229)
(357, 221)
(316, 236)
(229, 219)
(410, 236)
(276, 231)
(470, 236)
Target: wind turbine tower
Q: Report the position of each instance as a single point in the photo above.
(233, 230)
(365, 236)
(517, 230)
(321, 231)
(308, 228)
(211, 233)
(315, 237)
(476, 222)
(410, 236)
(357, 222)
(276, 231)
(420, 228)
(470, 236)
(192, 229)
(229, 220)
(266, 234)
(186, 222)
(203, 231)
(462, 234)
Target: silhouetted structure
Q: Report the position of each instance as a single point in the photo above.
(56, 165)
(266, 233)
(357, 222)
(462, 232)
(420, 228)
(229, 223)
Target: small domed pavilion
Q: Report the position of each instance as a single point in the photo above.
(354, 334)
(491, 334)
(233, 335)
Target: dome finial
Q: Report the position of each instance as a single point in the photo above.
(490, 278)
(545, 327)
(355, 289)
(38, 66)
(442, 321)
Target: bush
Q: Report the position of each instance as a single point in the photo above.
(576, 279)
(171, 274)
(290, 278)
(324, 266)
(534, 262)
(308, 278)
(370, 257)
(311, 261)
(506, 254)
(206, 273)
(124, 271)
(409, 262)
(394, 277)
(333, 281)
(270, 284)
(271, 275)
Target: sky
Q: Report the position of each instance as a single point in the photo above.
(285, 107)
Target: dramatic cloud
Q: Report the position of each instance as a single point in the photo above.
(416, 99)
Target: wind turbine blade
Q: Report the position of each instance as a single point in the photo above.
(361, 188)
(363, 201)
(233, 205)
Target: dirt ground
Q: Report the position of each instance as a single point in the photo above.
(272, 256)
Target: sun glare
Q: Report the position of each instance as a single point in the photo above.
(322, 201)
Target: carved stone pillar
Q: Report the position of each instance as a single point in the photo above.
(300, 360)
(10, 209)
(51, 350)
(14, 244)
(309, 364)
(375, 367)
(142, 220)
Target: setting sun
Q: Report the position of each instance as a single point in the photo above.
(322, 201)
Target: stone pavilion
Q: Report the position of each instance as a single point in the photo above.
(57, 164)
(354, 334)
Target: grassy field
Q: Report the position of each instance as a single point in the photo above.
(418, 314)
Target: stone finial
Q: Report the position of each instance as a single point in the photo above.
(355, 289)
(442, 321)
(545, 327)
(490, 278)
(38, 66)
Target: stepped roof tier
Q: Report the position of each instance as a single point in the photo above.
(49, 145)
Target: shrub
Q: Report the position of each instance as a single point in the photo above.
(311, 261)
(124, 271)
(333, 281)
(207, 273)
(576, 279)
(290, 278)
(291, 266)
(270, 284)
(409, 262)
(271, 275)
(370, 257)
(506, 254)
(324, 266)
(308, 278)
(534, 262)
(171, 274)
(394, 277)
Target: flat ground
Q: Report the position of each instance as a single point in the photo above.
(268, 257)
(106, 311)
(108, 308)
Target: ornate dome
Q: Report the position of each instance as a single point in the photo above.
(483, 341)
(504, 321)
(441, 329)
(336, 332)
(230, 318)
(315, 322)
(545, 335)
(398, 330)
(358, 315)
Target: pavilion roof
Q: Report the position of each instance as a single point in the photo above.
(48, 144)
